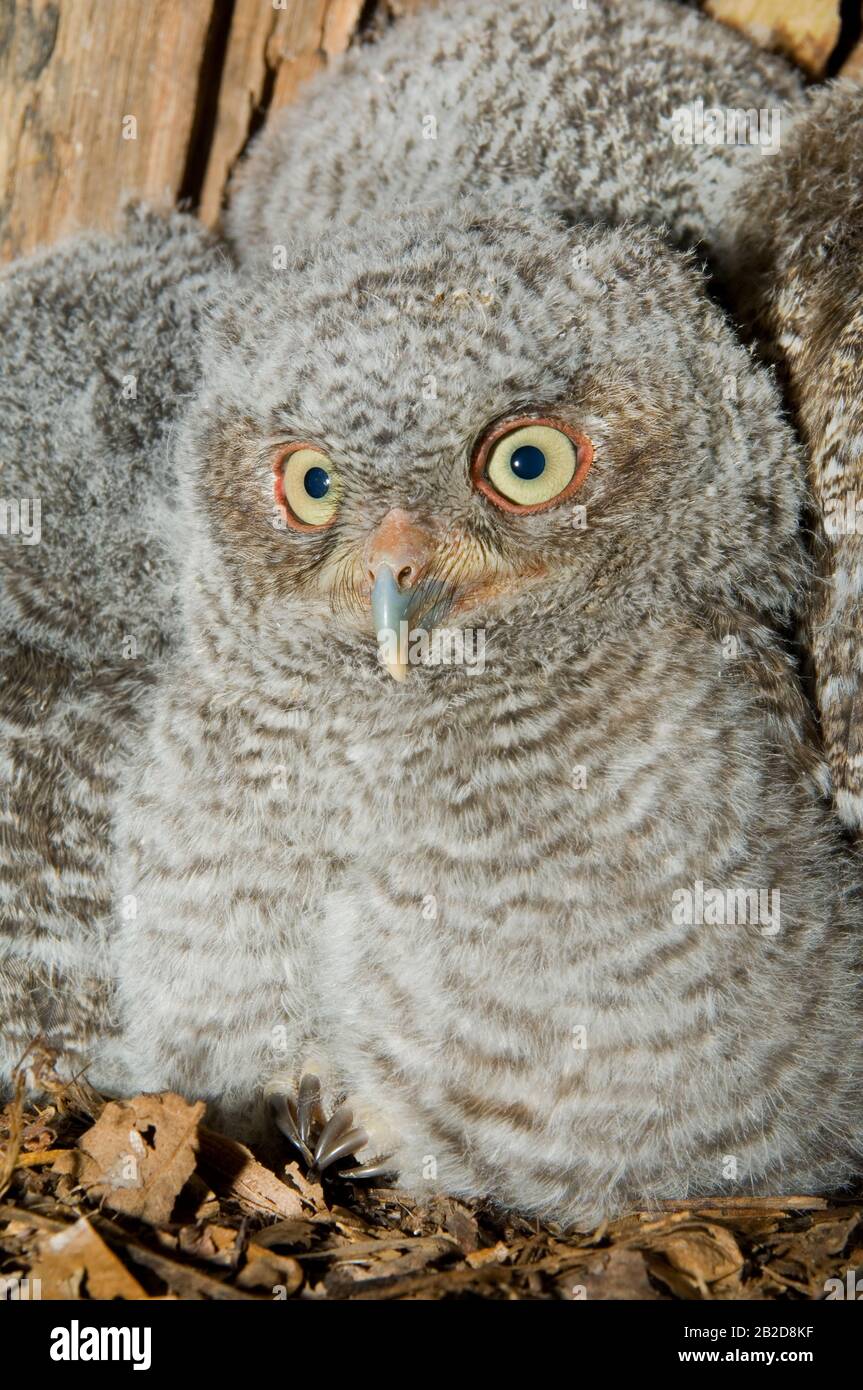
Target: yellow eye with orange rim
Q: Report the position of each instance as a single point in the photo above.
(307, 487)
(531, 463)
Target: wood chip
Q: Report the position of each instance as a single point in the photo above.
(232, 1168)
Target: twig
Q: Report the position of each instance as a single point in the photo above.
(15, 1111)
(748, 1204)
(33, 1160)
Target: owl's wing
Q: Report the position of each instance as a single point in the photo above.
(98, 352)
(800, 285)
(61, 734)
(97, 355)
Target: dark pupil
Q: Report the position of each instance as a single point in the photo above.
(527, 462)
(317, 482)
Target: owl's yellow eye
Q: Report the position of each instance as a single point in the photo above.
(532, 463)
(307, 487)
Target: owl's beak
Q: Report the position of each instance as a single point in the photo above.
(397, 555)
(390, 607)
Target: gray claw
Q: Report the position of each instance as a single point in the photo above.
(309, 1113)
(284, 1113)
(321, 1144)
(345, 1148)
(338, 1139)
(375, 1168)
(338, 1124)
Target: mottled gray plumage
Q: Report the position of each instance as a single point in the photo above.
(798, 238)
(458, 899)
(781, 227)
(569, 109)
(99, 352)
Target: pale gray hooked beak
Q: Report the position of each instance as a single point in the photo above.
(390, 608)
(398, 554)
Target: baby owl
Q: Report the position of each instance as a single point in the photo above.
(468, 814)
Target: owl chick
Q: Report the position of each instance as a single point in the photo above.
(798, 253)
(99, 350)
(542, 906)
(606, 113)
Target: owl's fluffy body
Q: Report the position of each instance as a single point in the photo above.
(99, 352)
(799, 251)
(569, 110)
(291, 814)
(456, 897)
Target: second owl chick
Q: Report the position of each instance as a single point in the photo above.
(798, 237)
(573, 110)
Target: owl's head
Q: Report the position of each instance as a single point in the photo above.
(485, 421)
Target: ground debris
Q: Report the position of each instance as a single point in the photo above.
(138, 1155)
(138, 1199)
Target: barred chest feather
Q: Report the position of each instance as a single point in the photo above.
(474, 887)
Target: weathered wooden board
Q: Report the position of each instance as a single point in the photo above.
(270, 53)
(98, 101)
(806, 31)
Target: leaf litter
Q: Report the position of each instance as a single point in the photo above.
(139, 1199)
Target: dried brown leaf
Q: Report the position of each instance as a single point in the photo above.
(213, 1243)
(693, 1257)
(139, 1153)
(298, 1235)
(617, 1274)
(463, 1226)
(232, 1168)
(493, 1254)
(76, 1263)
(13, 1125)
(264, 1269)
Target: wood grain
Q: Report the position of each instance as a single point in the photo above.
(270, 53)
(98, 100)
(806, 31)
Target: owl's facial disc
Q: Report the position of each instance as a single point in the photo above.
(421, 566)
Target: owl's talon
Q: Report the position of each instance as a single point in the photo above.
(336, 1128)
(378, 1167)
(343, 1146)
(284, 1113)
(323, 1143)
(310, 1115)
